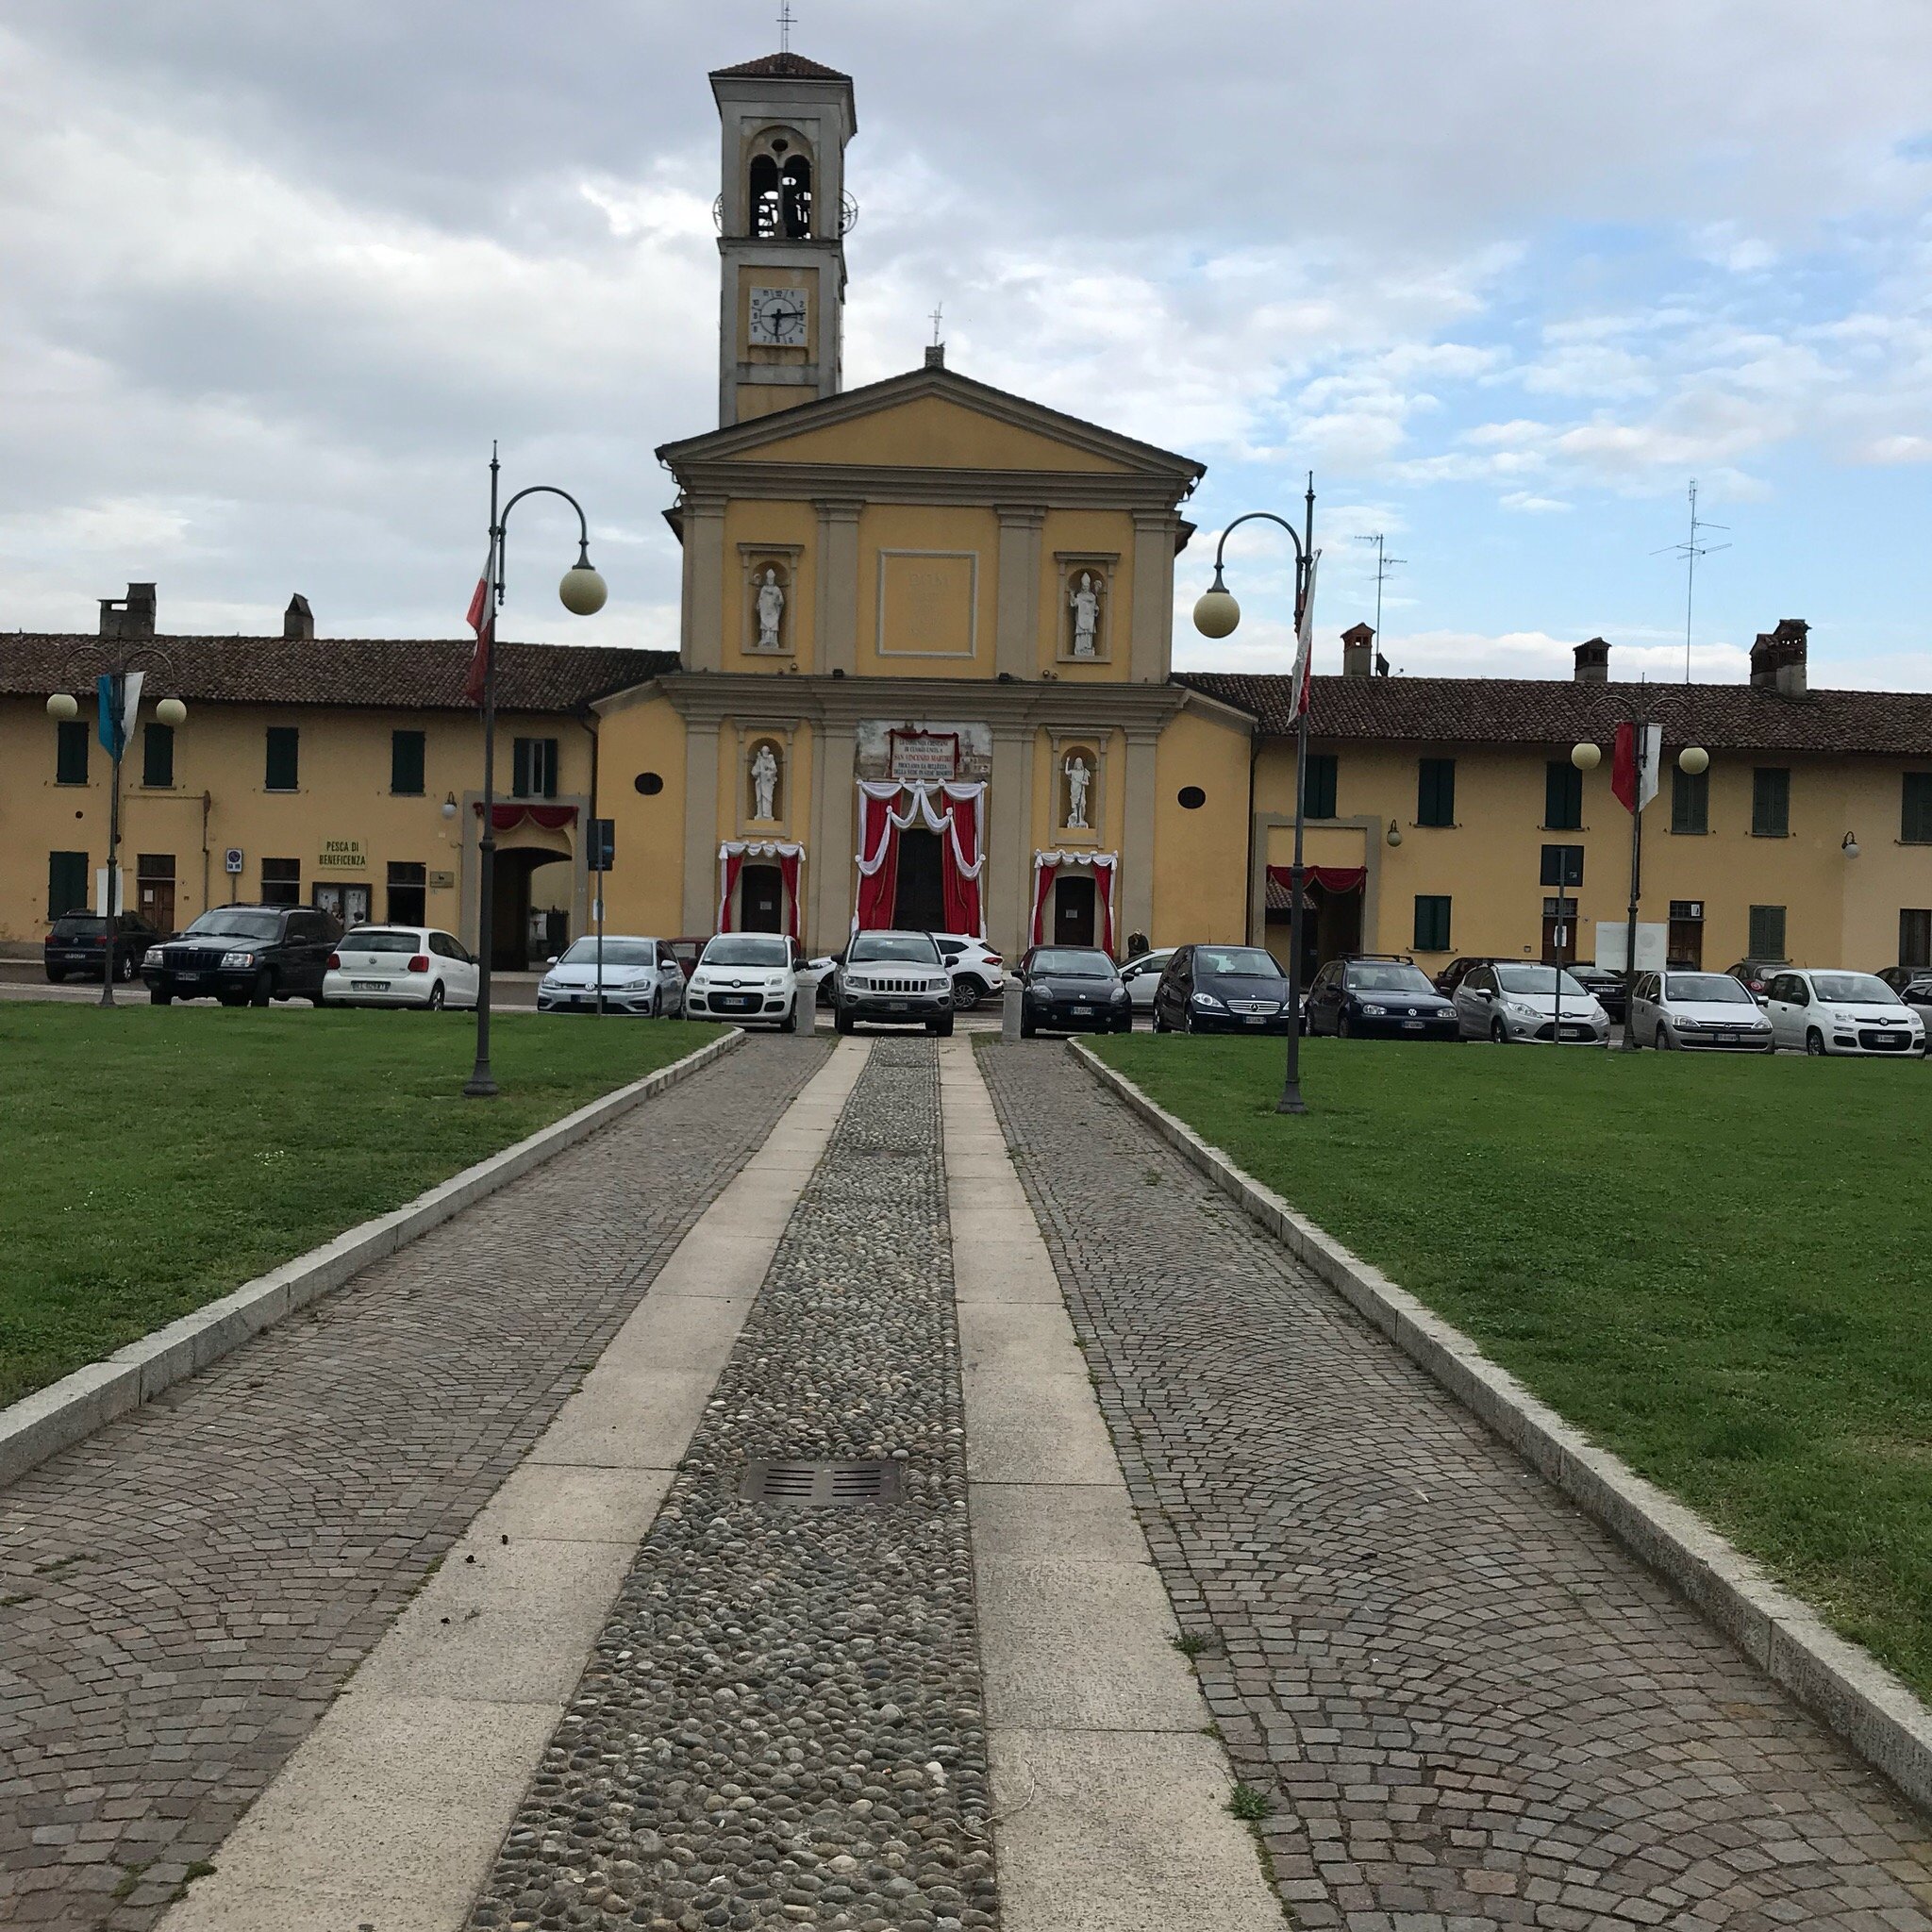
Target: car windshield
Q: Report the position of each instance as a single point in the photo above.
(1073, 962)
(1236, 962)
(915, 946)
(1389, 979)
(1867, 988)
(71, 928)
(616, 953)
(1538, 979)
(745, 949)
(231, 921)
(1713, 988)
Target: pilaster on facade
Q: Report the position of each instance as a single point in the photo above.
(1016, 640)
(1151, 652)
(701, 833)
(1137, 833)
(835, 755)
(836, 618)
(1009, 837)
(702, 635)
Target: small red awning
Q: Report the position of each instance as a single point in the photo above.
(506, 817)
(1331, 878)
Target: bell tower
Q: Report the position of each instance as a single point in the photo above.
(782, 218)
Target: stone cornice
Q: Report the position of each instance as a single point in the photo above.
(1150, 495)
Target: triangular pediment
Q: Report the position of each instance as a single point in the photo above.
(933, 419)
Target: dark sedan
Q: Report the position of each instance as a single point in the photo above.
(1221, 989)
(1389, 998)
(1072, 990)
(1612, 989)
(76, 945)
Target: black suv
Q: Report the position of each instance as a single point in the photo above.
(245, 955)
(77, 944)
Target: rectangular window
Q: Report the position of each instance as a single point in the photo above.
(1318, 797)
(157, 756)
(1767, 933)
(1562, 865)
(533, 768)
(70, 750)
(1432, 922)
(1770, 803)
(1915, 809)
(66, 883)
(407, 896)
(1915, 937)
(1563, 796)
(1435, 792)
(1689, 801)
(281, 882)
(284, 761)
(406, 764)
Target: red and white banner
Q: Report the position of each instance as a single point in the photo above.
(954, 812)
(1636, 787)
(1304, 643)
(483, 623)
(1047, 867)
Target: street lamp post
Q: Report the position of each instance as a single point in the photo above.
(117, 699)
(582, 592)
(1216, 614)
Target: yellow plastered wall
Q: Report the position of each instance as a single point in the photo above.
(645, 894)
(941, 584)
(1888, 876)
(1200, 856)
(931, 433)
(757, 519)
(1106, 532)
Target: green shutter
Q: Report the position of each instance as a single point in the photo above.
(1431, 921)
(406, 764)
(1689, 801)
(1767, 932)
(284, 758)
(70, 750)
(157, 756)
(1563, 796)
(67, 883)
(1770, 803)
(1436, 792)
(1915, 813)
(1318, 795)
(520, 768)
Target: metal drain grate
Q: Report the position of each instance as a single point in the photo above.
(820, 1485)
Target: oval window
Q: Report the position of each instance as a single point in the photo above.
(650, 784)
(1191, 799)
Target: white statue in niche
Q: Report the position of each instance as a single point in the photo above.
(770, 609)
(1086, 602)
(1079, 777)
(764, 784)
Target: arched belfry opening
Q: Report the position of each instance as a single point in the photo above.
(764, 196)
(778, 188)
(794, 199)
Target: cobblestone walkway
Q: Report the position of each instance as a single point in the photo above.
(182, 1594)
(781, 1722)
(1469, 1706)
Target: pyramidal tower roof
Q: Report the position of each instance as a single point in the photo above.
(787, 66)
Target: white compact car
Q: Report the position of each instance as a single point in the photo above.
(1142, 974)
(1705, 1010)
(1840, 1012)
(978, 973)
(639, 977)
(753, 977)
(1504, 1000)
(399, 966)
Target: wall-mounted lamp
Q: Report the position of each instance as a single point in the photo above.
(449, 805)
(1850, 847)
(1393, 834)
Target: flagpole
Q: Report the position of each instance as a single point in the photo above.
(481, 1084)
(1639, 757)
(117, 692)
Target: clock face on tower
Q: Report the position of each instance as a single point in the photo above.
(777, 317)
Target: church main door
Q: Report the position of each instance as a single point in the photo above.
(920, 903)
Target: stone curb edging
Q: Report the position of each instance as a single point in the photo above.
(1848, 1691)
(54, 1418)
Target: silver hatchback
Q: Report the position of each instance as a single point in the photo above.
(1706, 1011)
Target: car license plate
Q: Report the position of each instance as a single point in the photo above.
(736, 1002)
(184, 978)
(895, 1005)
(369, 986)
(1254, 1019)
(1083, 1012)
(1726, 1038)
(1411, 1025)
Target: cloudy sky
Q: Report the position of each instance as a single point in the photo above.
(1505, 274)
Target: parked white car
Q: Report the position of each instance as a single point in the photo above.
(639, 977)
(978, 973)
(1840, 1012)
(399, 966)
(1705, 1011)
(753, 977)
(1506, 1000)
(1142, 974)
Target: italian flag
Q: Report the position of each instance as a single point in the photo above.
(484, 624)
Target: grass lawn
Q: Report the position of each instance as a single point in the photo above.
(152, 1159)
(1720, 1268)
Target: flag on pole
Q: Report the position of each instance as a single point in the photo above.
(117, 701)
(1305, 642)
(1635, 788)
(480, 621)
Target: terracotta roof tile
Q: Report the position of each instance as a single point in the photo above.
(1554, 711)
(377, 673)
(778, 67)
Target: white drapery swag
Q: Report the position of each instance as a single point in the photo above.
(918, 810)
(1047, 867)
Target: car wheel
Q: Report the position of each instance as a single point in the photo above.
(1344, 1028)
(263, 989)
(940, 1029)
(435, 997)
(1187, 1019)
(967, 992)
(1027, 1029)
(1814, 1043)
(1662, 1038)
(56, 976)
(160, 996)
(1499, 1033)
(842, 1022)
(1159, 1024)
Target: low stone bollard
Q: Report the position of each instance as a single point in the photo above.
(1009, 1009)
(804, 1009)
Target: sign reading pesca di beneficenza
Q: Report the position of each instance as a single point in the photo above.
(342, 855)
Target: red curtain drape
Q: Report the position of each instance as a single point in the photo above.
(553, 818)
(1103, 890)
(734, 864)
(787, 872)
(877, 892)
(1042, 896)
(962, 893)
(1331, 878)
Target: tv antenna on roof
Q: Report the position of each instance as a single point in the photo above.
(785, 19)
(1384, 564)
(1690, 550)
(936, 318)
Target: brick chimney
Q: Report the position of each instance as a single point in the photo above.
(1592, 661)
(1357, 651)
(130, 618)
(1777, 659)
(298, 621)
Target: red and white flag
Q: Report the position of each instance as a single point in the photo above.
(1634, 787)
(483, 623)
(1305, 642)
